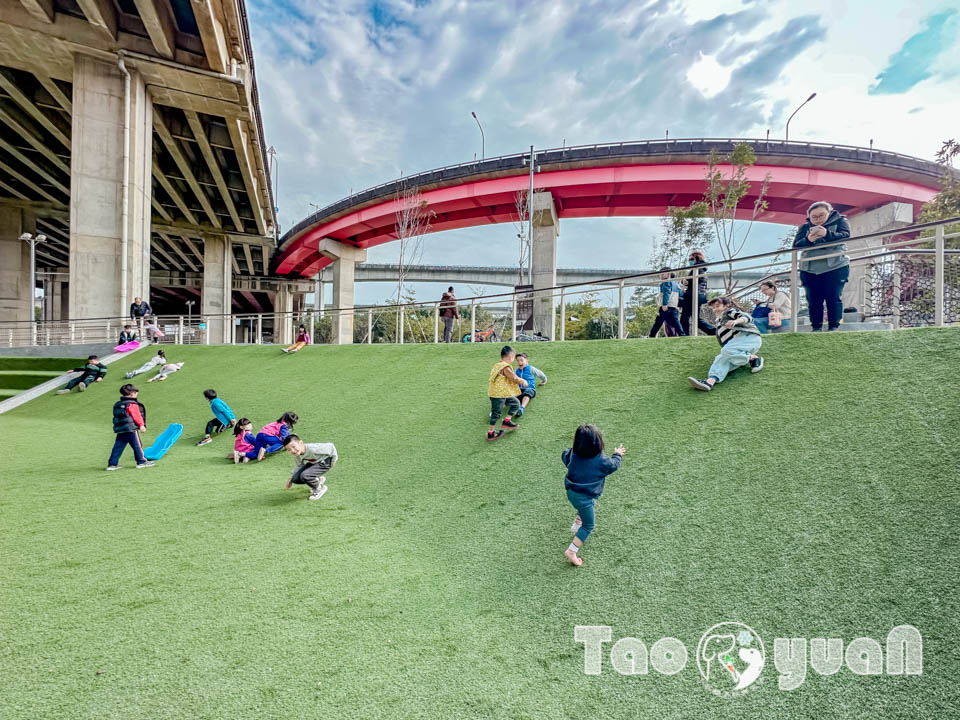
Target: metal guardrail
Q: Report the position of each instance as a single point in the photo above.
(513, 161)
(258, 328)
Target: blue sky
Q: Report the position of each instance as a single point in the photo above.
(355, 92)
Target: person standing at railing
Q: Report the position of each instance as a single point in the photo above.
(139, 309)
(780, 309)
(668, 312)
(449, 312)
(686, 302)
(823, 278)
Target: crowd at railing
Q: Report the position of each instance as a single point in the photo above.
(911, 279)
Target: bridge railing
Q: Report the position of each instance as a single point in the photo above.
(908, 277)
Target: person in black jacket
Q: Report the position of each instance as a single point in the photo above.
(686, 302)
(93, 371)
(823, 278)
(139, 310)
(129, 420)
(129, 334)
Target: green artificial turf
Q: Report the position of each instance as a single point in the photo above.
(816, 499)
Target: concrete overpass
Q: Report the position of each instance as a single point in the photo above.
(872, 187)
(130, 135)
(505, 276)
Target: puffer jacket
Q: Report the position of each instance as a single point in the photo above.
(837, 228)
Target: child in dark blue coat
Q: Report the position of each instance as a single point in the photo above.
(587, 469)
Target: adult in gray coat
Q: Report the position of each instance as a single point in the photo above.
(449, 312)
(823, 278)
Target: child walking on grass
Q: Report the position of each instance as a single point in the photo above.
(587, 470)
(271, 437)
(503, 388)
(668, 313)
(245, 444)
(129, 420)
(312, 461)
(223, 417)
(739, 344)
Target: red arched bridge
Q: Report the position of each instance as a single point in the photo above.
(623, 179)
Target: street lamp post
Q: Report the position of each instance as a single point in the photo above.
(483, 140)
(33, 241)
(812, 96)
(190, 304)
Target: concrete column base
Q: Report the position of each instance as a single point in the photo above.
(345, 258)
(216, 303)
(887, 217)
(283, 315)
(546, 229)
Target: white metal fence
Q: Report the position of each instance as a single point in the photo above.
(909, 278)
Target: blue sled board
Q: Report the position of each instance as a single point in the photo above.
(164, 442)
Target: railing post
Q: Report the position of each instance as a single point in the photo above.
(938, 278)
(513, 315)
(563, 314)
(206, 330)
(401, 316)
(259, 337)
(311, 325)
(694, 301)
(73, 332)
(436, 323)
(794, 291)
(180, 330)
(369, 326)
(473, 319)
(33, 332)
(896, 292)
(621, 314)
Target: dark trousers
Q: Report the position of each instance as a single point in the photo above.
(686, 311)
(215, 426)
(447, 329)
(669, 317)
(496, 408)
(85, 379)
(123, 439)
(309, 474)
(825, 288)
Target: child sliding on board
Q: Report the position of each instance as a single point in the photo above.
(587, 470)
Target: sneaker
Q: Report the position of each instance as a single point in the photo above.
(318, 493)
(148, 463)
(128, 376)
(81, 387)
(756, 365)
(700, 384)
(494, 435)
(284, 350)
(519, 413)
(205, 441)
(62, 392)
(509, 424)
(816, 329)
(114, 467)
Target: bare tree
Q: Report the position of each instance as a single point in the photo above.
(412, 222)
(522, 203)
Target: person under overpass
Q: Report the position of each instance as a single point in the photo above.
(449, 312)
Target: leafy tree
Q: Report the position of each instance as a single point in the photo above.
(682, 230)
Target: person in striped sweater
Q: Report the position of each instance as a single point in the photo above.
(739, 341)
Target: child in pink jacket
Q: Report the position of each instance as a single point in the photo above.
(270, 438)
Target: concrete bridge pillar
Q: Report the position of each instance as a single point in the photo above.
(283, 314)
(546, 228)
(886, 217)
(14, 264)
(345, 259)
(217, 289)
(96, 189)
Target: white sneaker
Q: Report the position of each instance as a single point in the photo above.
(114, 467)
(318, 493)
(81, 387)
(62, 392)
(148, 463)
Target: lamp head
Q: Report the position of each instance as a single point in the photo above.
(812, 96)
(474, 114)
(41, 238)
(26, 236)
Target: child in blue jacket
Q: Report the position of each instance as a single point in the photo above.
(529, 373)
(668, 312)
(223, 417)
(587, 470)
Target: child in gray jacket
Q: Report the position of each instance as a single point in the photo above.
(311, 463)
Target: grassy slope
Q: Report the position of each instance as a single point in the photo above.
(818, 498)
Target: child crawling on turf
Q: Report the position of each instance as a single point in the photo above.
(271, 437)
(587, 470)
(529, 373)
(311, 463)
(739, 344)
(223, 417)
(503, 388)
(245, 444)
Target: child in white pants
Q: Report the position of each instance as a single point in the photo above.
(739, 341)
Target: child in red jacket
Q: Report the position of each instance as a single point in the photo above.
(129, 420)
